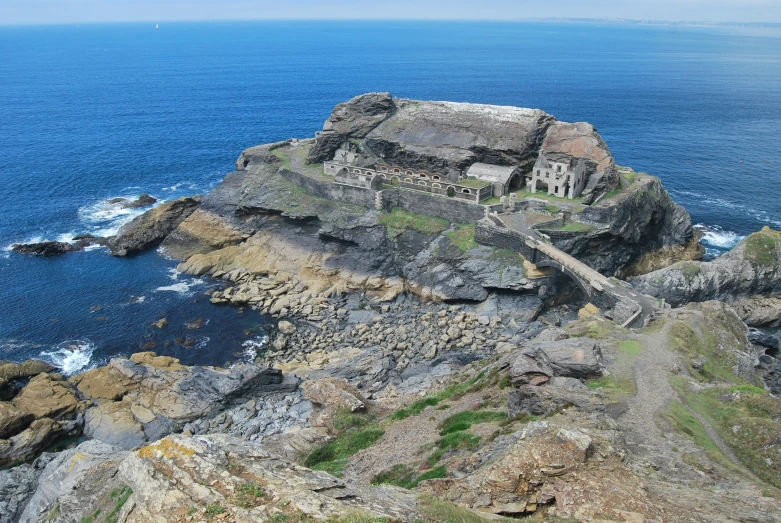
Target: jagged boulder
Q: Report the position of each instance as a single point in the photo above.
(17, 486)
(571, 357)
(148, 230)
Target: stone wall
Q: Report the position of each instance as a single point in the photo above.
(331, 191)
(437, 206)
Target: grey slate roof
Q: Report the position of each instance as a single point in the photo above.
(490, 172)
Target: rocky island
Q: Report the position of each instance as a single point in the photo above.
(454, 342)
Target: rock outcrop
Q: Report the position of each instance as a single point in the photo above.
(148, 230)
(748, 275)
(147, 396)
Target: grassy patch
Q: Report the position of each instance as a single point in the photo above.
(214, 510)
(441, 511)
(762, 247)
(119, 497)
(613, 385)
(594, 327)
(452, 392)
(464, 420)
(573, 227)
(552, 208)
(475, 183)
(356, 432)
(630, 347)
(453, 441)
(629, 176)
(523, 193)
(748, 420)
(398, 220)
(463, 237)
(690, 271)
(405, 477)
(249, 495)
(718, 361)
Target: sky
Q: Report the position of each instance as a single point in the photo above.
(82, 11)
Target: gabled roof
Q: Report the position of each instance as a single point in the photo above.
(491, 173)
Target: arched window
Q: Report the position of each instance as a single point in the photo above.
(395, 181)
(383, 167)
(408, 180)
(466, 191)
(408, 172)
(436, 186)
(435, 176)
(383, 176)
(396, 170)
(421, 182)
(357, 171)
(451, 191)
(423, 175)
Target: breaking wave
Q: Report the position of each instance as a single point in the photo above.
(250, 348)
(184, 287)
(70, 356)
(717, 240)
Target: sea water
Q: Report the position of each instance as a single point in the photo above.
(93, 112)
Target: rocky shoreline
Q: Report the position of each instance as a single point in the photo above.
(415, 375)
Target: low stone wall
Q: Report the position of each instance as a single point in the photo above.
(331, 191)
(555, 222)
(448, 209)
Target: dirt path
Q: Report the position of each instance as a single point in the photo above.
(641, 422)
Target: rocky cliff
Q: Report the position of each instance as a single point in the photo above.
(749, 277)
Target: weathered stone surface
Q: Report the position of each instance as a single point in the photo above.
(159, 395)
(13, 420)
(144, 200)
(201, 467)
(287, 328)
(752, 268)
(47, 396)
(12, 371)
(333, 392)
(77, 483)
(201, 232)
(572, 357)
(148, 230)
(38, 436)
(17, 486)
(49, 248)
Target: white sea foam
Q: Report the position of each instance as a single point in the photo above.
(70, 356)
(105, 218)
(718, 237)
(251, 347)
(181, 286)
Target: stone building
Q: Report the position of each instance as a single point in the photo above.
(503, 179)
(562, 175)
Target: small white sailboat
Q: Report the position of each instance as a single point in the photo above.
(157, 26)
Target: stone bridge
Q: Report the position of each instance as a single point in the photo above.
(617, 301)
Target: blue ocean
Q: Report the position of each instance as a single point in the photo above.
(93, 112)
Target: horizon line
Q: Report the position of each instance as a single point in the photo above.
(614, 21)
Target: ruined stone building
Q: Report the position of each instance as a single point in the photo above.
(503, 179)
(561, 174)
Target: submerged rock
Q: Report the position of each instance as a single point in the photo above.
(49, 248)
(142, 201)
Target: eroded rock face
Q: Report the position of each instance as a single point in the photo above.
(17, 486)
(148, 230)
(76, 483)
(572, 357)
(148, 396)
(210, 470)
(752, 268)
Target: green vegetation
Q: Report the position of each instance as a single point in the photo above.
(463, 237)
(473, 182)
(718, 362)
(685, 422)
(398, 220)
(613, 385)
(748, 420)
(215, 509)
(453, 441)
(91, 518)
(628, 176)
(630, 347)
(551, 208)
(594, 327)
(762, 247)
(573, 227)
(441, 511)
(523, 193)
(452, 392)
(355, 432)
(300, 517)
(249, 495)
(405, 477)
(464, 420)
(690, 271)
